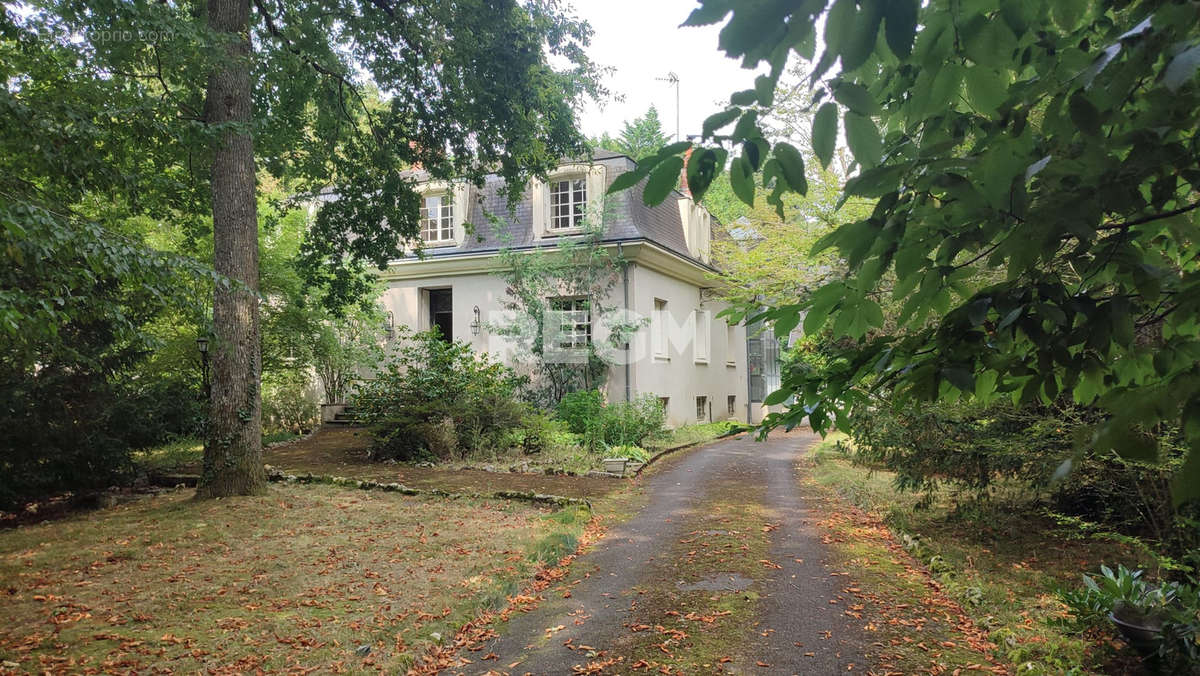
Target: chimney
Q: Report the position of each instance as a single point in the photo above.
(683, 186)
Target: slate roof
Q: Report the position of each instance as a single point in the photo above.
(627, 217)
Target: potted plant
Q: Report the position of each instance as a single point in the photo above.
(1136, 608)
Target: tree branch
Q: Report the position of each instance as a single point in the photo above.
(274, 30)
(1148, 219)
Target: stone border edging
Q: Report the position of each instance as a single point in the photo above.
(674, 449)
(279, 476)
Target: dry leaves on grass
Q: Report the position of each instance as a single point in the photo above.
(304, 578)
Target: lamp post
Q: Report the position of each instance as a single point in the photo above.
(202, 346)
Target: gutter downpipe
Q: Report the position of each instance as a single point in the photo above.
(625, 288)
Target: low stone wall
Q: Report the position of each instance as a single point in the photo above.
(368, 485)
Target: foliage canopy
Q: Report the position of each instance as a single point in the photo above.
(1036, 171)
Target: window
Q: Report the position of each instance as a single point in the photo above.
(576, 327)
(437, 218)
(658, 329)
(702, 343)
(731, 345)
(568, 199)
(665, 402)
(441, 312)
(732, 402)
(701, 408)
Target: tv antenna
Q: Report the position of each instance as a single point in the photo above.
(673, 80)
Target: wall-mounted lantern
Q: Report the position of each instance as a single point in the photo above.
(475, 325)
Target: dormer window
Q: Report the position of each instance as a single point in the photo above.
(571, 196)
(437, 218)
(441, 213)
(568, 202)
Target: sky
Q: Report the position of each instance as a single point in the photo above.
(642, 41)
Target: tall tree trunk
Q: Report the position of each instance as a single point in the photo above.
(233, 453)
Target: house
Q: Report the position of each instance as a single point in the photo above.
(693, 361)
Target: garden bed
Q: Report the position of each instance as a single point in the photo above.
(342, 451)
(945, 587)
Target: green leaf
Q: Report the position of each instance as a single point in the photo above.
(856, 47)
(777, 397)
(820, 303)
(741, 179)
(876, 182)
(992, 45)
(722, 119)
(793, 167)
(900, 26)
(824, 133)
(786, 323)
(673, 149)
(839, 25)
(1084, 114)
(1182, 68)
(856, 98)
(1185, 485)
(662, 180)
(764, 87)
(943, 91)
(960, 377)
(702, 167)
(708, 13)
(987, 89)
(628, 179)
(746, 97)
(863, 139)
(1130, 443)
(1067, 13)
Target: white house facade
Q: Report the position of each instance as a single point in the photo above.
(683, 354)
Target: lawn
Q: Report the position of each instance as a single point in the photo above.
(342, 451)
(951, 587)
(305, 578)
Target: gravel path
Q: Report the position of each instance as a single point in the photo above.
(798, 626)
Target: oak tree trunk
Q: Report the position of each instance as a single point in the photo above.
(233, 450)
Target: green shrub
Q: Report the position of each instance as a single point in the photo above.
(633, 423)
(634, 453)
(581, 410)
(439, 398)
(288, 405)
(601, 425)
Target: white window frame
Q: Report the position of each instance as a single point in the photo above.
(658, 330)
(455, 196)
(730, 343)
(701, 407)
(576, 327)
(731, 403)
(702, 336)
(437, 229)
(568, 203)
(594, 177)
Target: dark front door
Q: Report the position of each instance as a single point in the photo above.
(441, 315)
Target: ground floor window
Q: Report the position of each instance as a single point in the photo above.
(732, 401)
(576, 327)
(701, 408)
